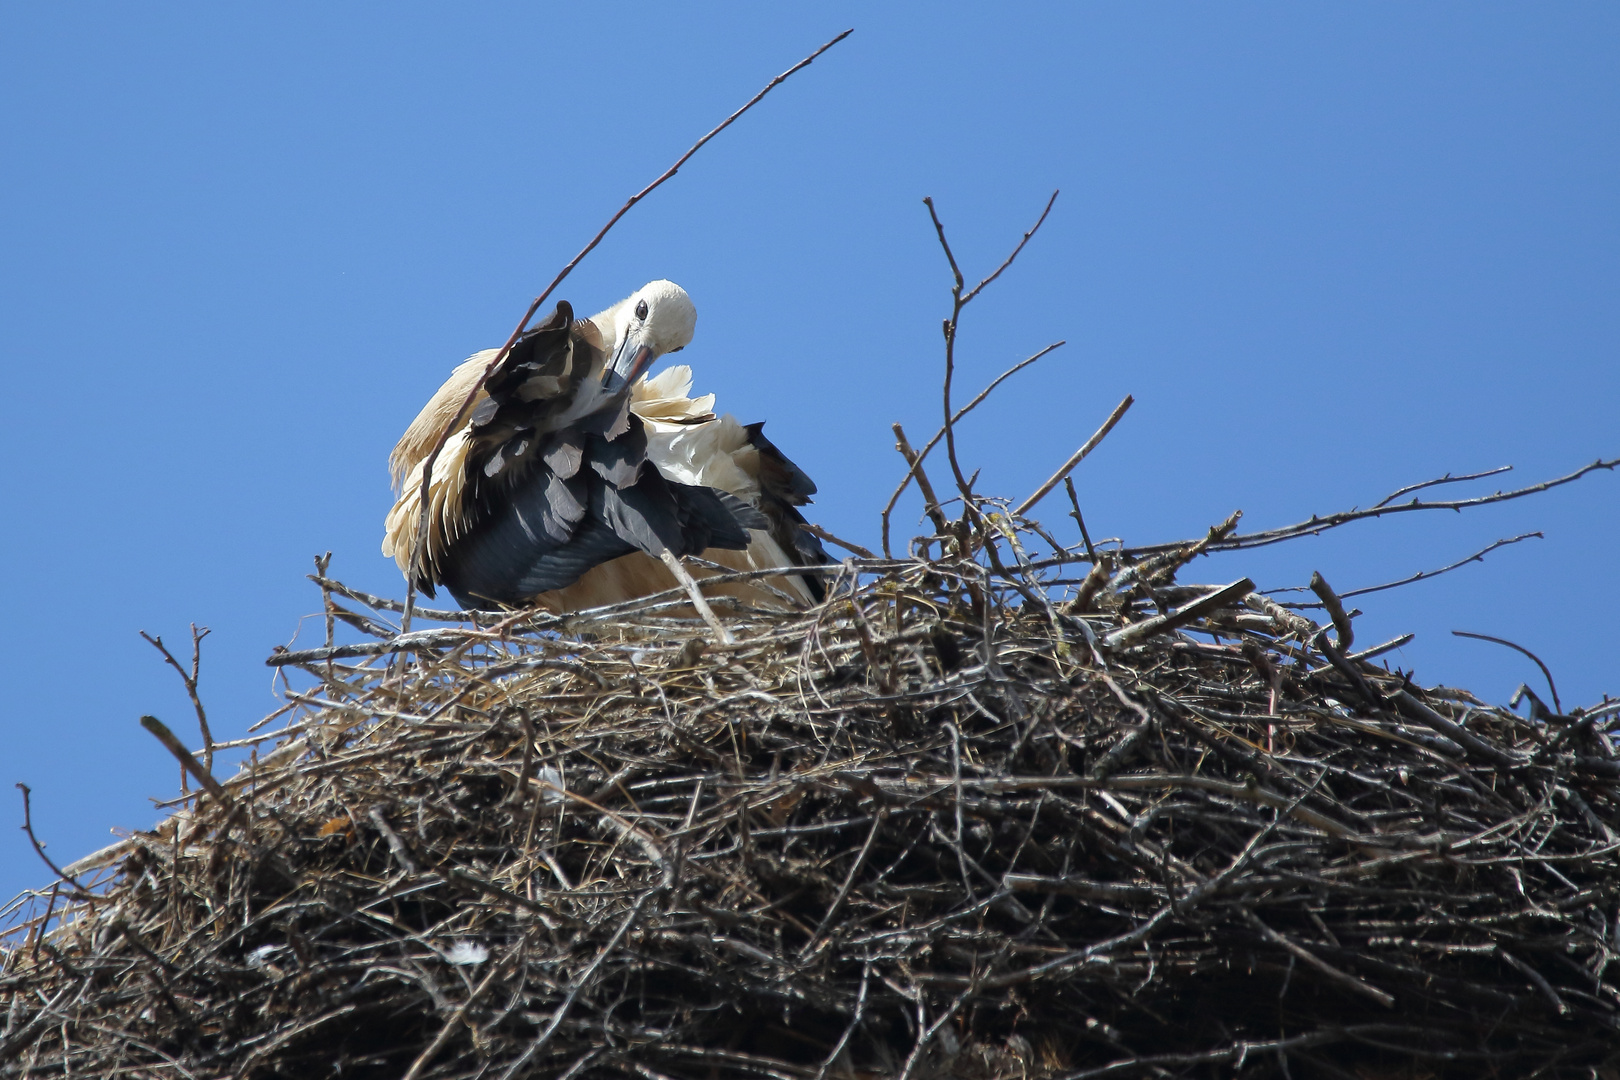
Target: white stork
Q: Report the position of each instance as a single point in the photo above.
(543, 495)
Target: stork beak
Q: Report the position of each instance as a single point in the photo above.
(640, 360)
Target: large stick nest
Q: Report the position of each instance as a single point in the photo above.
(940, 825)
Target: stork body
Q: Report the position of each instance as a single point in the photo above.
(690, 445)
(574, 481)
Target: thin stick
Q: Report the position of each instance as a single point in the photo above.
(1446, 479)
(395, 844)
(1343, 978)
(822, 534)
(914, 459)
(585, 977)
(1033, 229)
(949, 329)
(28, 827)
(1080, 520)
(1421, 575)
(1079, 456)
(419, 544)
(721, 634)
(1163, 624)
(1321, 524)
(187, 761)
(1504, 641)
(854, 1022)
(924, 1037)
(451, 1024)
(849, 880)
(1335, 609)
(960, 300)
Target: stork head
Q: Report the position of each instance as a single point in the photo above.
(656, 319)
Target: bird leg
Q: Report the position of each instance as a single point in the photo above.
(720, 633)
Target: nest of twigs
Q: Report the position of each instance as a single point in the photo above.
(960, 820)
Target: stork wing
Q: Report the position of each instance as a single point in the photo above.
(583, 500)
(778, 475)
(783, 488)
(538, 375)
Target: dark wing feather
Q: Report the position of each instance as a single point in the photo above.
(744, 514)
(546, 530)
(538, 376)
(778, 475)
(511, 554)
(620, 460)
(711, 518)
(657, 514)
(783, 488)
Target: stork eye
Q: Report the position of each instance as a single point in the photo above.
(641, 310)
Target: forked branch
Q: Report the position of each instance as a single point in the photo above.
(916, 465)
(191, 679)
(960, 300)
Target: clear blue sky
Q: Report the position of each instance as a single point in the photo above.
(1331, 248)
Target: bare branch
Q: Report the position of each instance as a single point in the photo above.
(1345, 979)
(39, 849)
(939, 230)
(1080, 520)
(1446, 479)
(1546, 671)
(1079, 456)
(1318, 525)
(1033, 229)
(1335, 609)
(191, 679)
(187, 761)
(822, 534)
(930, 499)
(959, 300)
(949, 329)
(1421, 575)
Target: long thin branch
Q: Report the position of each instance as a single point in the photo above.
(1033, 229)
(822, 534)
(930, 498)
(1079, 455)
(950, 257)
(39, 849)
(949, 329)
(203, 776)
(1546, 671)
(1446, 479)
(1332, 521)
(382, 603)
(1421, 575)
(586, 976)
(1343, 978)
(960, 300)
(451, 1024)
(419, 544)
